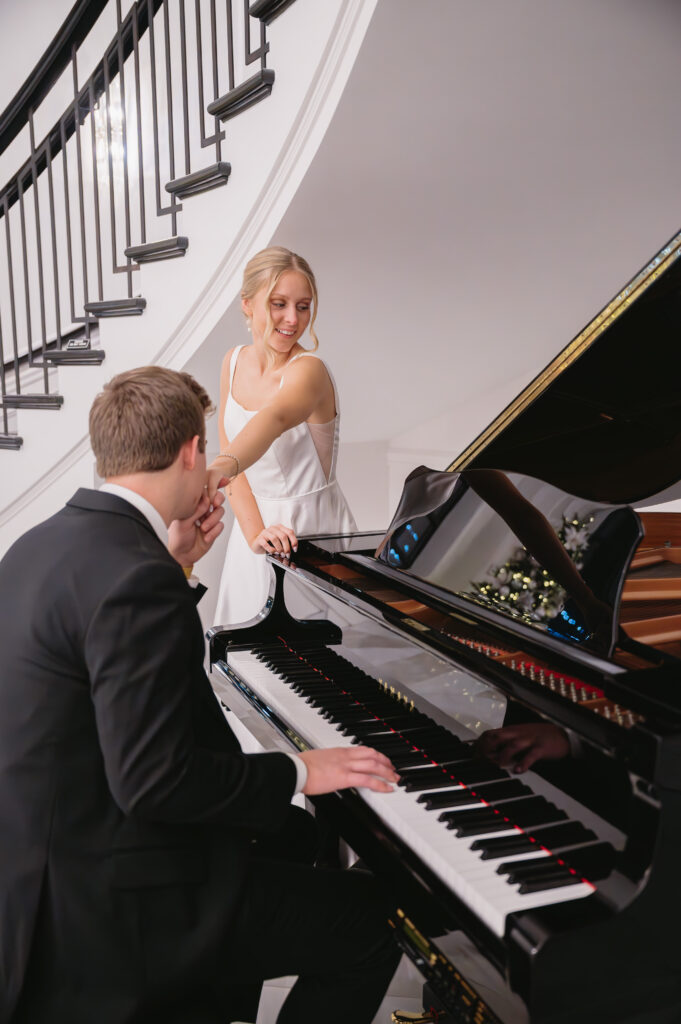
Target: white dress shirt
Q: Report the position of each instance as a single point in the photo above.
(155, 520)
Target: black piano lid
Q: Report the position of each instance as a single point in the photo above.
(599, 428)
(603, 419)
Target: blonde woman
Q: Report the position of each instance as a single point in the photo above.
(279, 432)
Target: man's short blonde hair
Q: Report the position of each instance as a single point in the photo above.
(141, 419)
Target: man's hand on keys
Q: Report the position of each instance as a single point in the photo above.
(343, 767)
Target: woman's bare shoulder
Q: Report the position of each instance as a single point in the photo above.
(308, 366)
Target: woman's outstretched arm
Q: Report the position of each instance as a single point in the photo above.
(305, 389)
(260, 539)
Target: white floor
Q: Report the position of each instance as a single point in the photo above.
(406, 987)
(404, 994)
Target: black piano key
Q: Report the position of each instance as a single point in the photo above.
(566, 833)
(328, 709)
(444, 798)
(386, 742)
(409, 758)
(545, 884)
(348, 712)
(344, 717)
(472, 771)
(521, 870)
(394, 723)
(487, 821)
(523, 813)
(542, 878)
(326, 692)
(506, 790)
(593, 861)
(432, 777)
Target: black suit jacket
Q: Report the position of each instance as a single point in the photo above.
(126, 806)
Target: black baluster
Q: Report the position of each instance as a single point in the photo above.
(124, 141)
(12, 303)
(67, 214)
(185, 92)
(171, 127)
(138, 103)
(261, 51)
(95, 186)
(39, 253)
(53, 232)
(230, 44)
(79, 155)
(160, 210)
(217, 135)
(24, 250)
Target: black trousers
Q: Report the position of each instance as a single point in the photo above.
(328, 927)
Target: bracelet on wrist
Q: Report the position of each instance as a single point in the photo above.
(228, 455)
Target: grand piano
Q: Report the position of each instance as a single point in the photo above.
(519, 586)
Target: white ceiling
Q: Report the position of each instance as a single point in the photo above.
(493, 174)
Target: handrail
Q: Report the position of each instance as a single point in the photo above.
(65, 126)
(51, 65)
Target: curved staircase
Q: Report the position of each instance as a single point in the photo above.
(124, 234)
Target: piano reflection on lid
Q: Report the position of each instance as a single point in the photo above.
(519, 588)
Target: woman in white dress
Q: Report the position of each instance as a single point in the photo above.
(279, 433)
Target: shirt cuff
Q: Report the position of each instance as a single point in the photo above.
(301, 772)
(576, 747)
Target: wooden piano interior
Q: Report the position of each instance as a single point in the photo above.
(651, 598)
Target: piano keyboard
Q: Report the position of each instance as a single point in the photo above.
(501, 844)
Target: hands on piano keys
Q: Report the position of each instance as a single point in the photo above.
(450, 804)
(347, 767)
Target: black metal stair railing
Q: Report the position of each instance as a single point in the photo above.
(91, 202)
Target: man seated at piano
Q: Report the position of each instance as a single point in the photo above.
(142, 873)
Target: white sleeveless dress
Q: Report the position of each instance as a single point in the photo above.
(290, 487)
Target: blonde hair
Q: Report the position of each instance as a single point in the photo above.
(141, 419)
(264, 270)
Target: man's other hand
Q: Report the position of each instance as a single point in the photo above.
(517, 747)
(342, 767)
(189, 539)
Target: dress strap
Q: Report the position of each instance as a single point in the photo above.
(314, 355)
(232, 365)
(300, 354)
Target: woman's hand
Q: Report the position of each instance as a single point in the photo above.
(517, 747)
(215, 479)
(275, 540)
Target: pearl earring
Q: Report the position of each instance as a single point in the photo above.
(248, 324)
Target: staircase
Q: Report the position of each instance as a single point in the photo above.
(124, 233)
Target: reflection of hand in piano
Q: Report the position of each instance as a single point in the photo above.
(517, 747)
(346, 767)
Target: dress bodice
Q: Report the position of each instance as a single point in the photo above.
(291, 466)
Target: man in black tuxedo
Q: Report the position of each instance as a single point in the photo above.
(129, 888)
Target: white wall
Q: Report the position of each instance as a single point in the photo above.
(28, 27)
